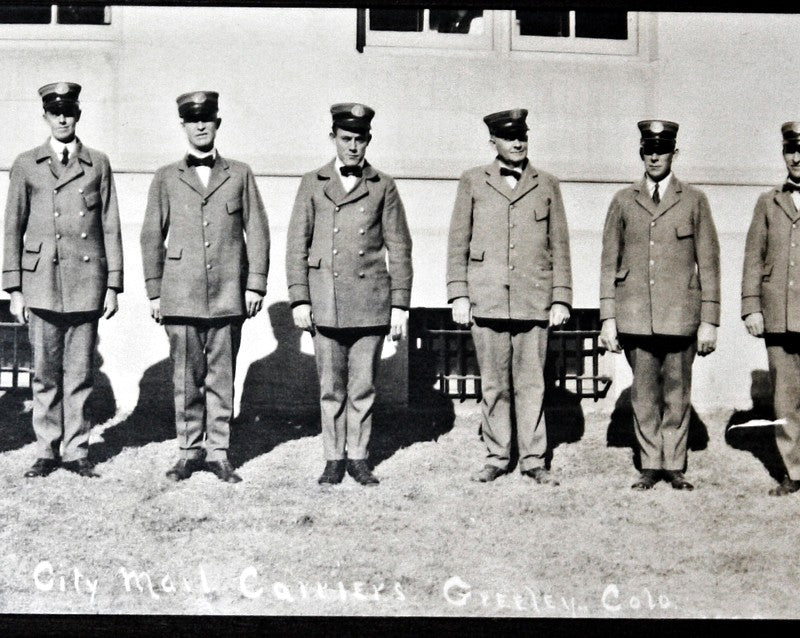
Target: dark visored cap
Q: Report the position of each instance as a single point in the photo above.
(198, 105)
(61, 97)
(791, 136)
(658, 136)
(352, 116)
(507, 124)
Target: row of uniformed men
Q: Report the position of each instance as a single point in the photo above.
(205, 247)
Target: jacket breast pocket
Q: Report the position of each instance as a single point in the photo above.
(92, 199)
(542, 212)
(766, 272)
(234, 205)
(30, 261)
(620, 276)
(314, 262)
(684, 230)
(476, 254)
(174, 252)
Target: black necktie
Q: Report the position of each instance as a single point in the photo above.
(351, 170)
(791, 187)
(508, 171)
(193, 160)
(65, 156)
(656, 196)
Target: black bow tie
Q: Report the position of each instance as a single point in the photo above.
(351, 170)
(193, 160)
(508, 171)
(791, 187)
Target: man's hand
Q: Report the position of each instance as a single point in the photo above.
(110, 304)
(303, 317)
(462, 311)
(608, 336)
(399, 324)
(706, 338)
(754, 322)
(18, 308)
(253, 301)
(559, 314)
(155, 309)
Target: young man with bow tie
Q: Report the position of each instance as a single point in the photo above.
(771, 300)
(660, 299)
(347, 217)
(62, 266)
(509, 276)
(205, 248)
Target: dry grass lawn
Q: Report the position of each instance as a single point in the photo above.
(425, 542)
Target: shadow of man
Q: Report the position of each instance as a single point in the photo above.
(759, 441)
(101, 404)
(621, 432)
(280, 394)
(152, 420)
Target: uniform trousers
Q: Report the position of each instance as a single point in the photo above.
(347, 362)
(203, 354)
(63, 357)
(511, 357)
(783, 354)
(661, 397)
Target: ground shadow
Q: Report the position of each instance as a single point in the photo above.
(152, 420)
(280, 394)
(759, 441)
(101, 404)
(621, 433)
(564, 418)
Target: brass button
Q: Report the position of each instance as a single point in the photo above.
(361, 274)
(58, 236)
(652, 282)
(652, 223)
(205, 223)
(336, 209)
(55, 260)
(652, 243)
(86, 258)
(336, 230)
(208, 266)
(82, 214)
(83, 235)
(361, 231)
(80, 190)
(361, 252)
(511, 246)
(56, 214)
(207, 244)
(511, 267)
(336, 274)
(335, 251)
(652, 262)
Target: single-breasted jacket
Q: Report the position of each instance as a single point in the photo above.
(202, 247)
(660, 262)
(508, 248)
(349, 254)
(771, 278)
(63, 247)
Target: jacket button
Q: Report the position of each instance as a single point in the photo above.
(652, 262)
(83, 235)
(361, 231)
(511, 267)
(336, 274)
(80, 190)
(652, 243)
(55, 190)
(336, 230)
(652, 223)
(511, 225)
(207, 244)
(652, 282)
(336, 209)
(361, 274)
(205, 223)
(55, 260)
(361, 253)
(361, 209)
(56, 214)
(335, 251)
(82, 214)
(86, 258)
(208, 266)
(511, 246)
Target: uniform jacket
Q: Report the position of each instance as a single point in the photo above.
(660, 262)
(202, 247)
(336, 249)
(771, 279)
(508, 248)
(63, 247)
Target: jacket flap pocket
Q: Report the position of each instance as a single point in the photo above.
(33, 246)
(541, 213)
(621, 274)
(476, 255)
(684, 230)
(174, 252)
(234, 205)
(92, 199)
(29, 261)
(314, 262)
(766, 270)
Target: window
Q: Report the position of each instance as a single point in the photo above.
(426, 27)
(45, 21)
(560, 30)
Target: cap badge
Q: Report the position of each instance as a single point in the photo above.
(199, 98)
(516, 114)
(795, 127)
(358, 111)
(657, 127)
(62, 88)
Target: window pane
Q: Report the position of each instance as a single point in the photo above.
(395, 19)
(456, 20)
(28, 14)
(547, 23)
(82, 14)
(611, 25)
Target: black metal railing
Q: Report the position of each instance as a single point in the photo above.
(16, 356)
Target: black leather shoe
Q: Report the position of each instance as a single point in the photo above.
(223, 470)
(360, 471)
(81, 467)
(487, 474)
(183, 469)
(42, 467)
(541, 476)
(678, 480)
(647, 480)
(787, 486)
(334, 472)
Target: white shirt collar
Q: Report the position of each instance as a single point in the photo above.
(196, 153)
(339, 163)
(663, 185)
(58, 147)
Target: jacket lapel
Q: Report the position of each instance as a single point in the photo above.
(74, 169)
(333, 188)
(671, 197)
(527, 182)
(784, 200)
(643, 197)
(44, 152)
(361, 188)
(498, 182)
(189, 177)
(219, 175)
